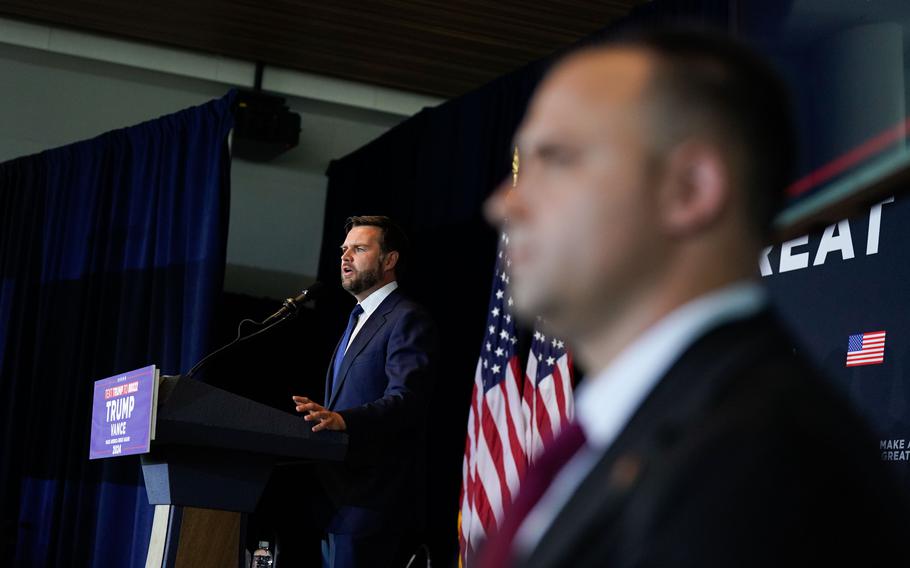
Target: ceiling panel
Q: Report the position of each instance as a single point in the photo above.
(435, 47)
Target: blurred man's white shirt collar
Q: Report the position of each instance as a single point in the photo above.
(605, 402)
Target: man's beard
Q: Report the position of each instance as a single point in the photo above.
(361, 281)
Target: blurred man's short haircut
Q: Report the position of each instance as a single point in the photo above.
(709, 85)
(391, 238)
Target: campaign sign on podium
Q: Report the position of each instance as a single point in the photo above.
(123, 412)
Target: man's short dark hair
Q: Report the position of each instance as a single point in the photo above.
(707, 82)
(392, 238)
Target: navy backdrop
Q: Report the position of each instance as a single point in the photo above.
(859, 286)
(112, 255)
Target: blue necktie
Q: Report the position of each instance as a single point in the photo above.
(342, 347)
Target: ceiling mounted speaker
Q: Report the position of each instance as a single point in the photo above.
(264, 127)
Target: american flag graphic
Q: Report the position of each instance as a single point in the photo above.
(866, 349)
(505, 408)
(548, 401)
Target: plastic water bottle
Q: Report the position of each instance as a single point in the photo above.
(262, 558)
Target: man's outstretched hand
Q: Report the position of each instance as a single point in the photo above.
(327, 420)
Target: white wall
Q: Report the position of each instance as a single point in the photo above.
(50, 99)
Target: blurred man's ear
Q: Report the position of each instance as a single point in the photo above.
(694, 189)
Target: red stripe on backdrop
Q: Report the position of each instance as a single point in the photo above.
(849, 159)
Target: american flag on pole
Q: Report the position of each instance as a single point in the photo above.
(495, 455)
(512, 415)
(866, 349)
(548, 402)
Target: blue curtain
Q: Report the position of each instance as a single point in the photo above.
(112, 255)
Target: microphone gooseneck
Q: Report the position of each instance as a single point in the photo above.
(291, 305)
(289, 309)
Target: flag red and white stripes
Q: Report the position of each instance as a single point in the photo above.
(512, 414)
(548, 402)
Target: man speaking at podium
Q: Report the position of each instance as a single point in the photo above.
(377, 388)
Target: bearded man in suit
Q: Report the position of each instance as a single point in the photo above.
(377, 390)
(651, 169)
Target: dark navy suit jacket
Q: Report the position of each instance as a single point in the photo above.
(741, 456)
(382, 391)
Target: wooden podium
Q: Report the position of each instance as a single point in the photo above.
(210, 460)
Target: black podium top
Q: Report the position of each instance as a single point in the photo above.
(194, 413)
(215, 449)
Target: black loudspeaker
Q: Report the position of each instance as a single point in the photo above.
(264, 127)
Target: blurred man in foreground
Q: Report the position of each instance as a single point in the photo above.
(651, 169)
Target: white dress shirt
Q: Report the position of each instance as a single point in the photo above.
(369, 305)
(606, 402)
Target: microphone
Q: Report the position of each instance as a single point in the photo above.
(291, 305)
(288, 310)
